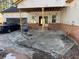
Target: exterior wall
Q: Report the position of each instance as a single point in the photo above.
(15, 15)
(41, 3)
(70, 15)
(35, 14)
(49, 14)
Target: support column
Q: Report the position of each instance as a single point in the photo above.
(20, 21)
(43, 20)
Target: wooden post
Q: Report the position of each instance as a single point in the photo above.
(43, 21)
(20, 21)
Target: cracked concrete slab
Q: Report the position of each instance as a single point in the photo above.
(53, 42)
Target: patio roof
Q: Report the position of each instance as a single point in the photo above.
(42, 3)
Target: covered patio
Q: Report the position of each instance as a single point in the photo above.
(38, 10)
(40, 23)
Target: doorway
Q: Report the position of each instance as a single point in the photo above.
(40, 20)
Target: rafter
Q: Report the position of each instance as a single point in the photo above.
(17, 1)
(69, 1)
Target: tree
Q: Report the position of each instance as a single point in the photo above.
(4, 4)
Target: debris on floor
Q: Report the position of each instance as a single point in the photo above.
(10, 56)
(16, 56)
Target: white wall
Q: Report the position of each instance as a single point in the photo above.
(70, 15)
(41, 3)
(15, 15)
(35, 14)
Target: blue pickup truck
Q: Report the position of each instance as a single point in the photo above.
(5, 28)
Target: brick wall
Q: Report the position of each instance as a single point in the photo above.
(34, 26)
(70, 30)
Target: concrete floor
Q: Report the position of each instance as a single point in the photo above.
(51, 42)
(8, 41)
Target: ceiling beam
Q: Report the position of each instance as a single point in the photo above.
(39, 9)
(17, 1)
